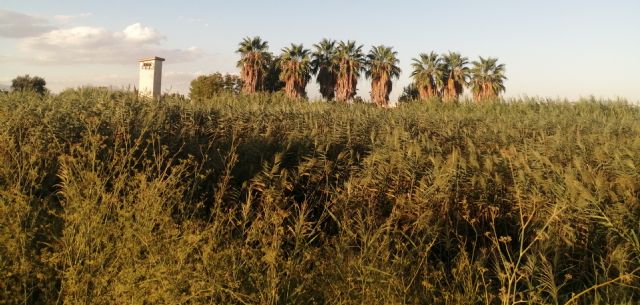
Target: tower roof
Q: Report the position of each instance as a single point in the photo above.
(151, 58)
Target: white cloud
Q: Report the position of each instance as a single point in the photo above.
(139, 33)
(82, 36)
(18, 25)
(97, 45)
(69, 18)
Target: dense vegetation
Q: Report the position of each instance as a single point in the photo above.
(106, 199)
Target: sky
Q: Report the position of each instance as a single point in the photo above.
(557, 49)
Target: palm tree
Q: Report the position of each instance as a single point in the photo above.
(253, 63)
(350, 60)
(382, 65)
(271, 81)
(428, 74)
(456, 75)
(487, 78)
(324, 67)
(295, 66)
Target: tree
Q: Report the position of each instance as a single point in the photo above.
(487, 78)
(324, 67)
(456, 75)
(254, 63)
(207, 86)
(350, 60)
(381, 67)
(295, 66)
(272, 82)
(428, 71)
(27, 83)
(409, 93)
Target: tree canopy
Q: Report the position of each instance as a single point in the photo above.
(381, 66)
(207, 86)
(254, 63)
(350, 60)
(324, 66)
(428, 74)
(295, 67)
(487, 78)
(29, 83)
(456, 72)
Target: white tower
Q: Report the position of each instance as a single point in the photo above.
(150, 77)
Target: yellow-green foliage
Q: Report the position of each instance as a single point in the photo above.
(105, 199)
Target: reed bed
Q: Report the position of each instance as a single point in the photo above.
(107, 199)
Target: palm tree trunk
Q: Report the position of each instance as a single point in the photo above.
(450, 91)
(343, 83)
(424, 92)
(249, 79)
(380, 90)
(374, 91)
(477, 95)
(385, 89)
(431, 90)
(490, 92)
(341, 89)
(290, 88)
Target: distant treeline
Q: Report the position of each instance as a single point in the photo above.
(338, 65)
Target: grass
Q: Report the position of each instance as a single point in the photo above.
(263, 200)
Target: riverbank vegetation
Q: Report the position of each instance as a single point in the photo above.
(263, 199)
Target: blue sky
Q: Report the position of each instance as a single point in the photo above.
(554, 49)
